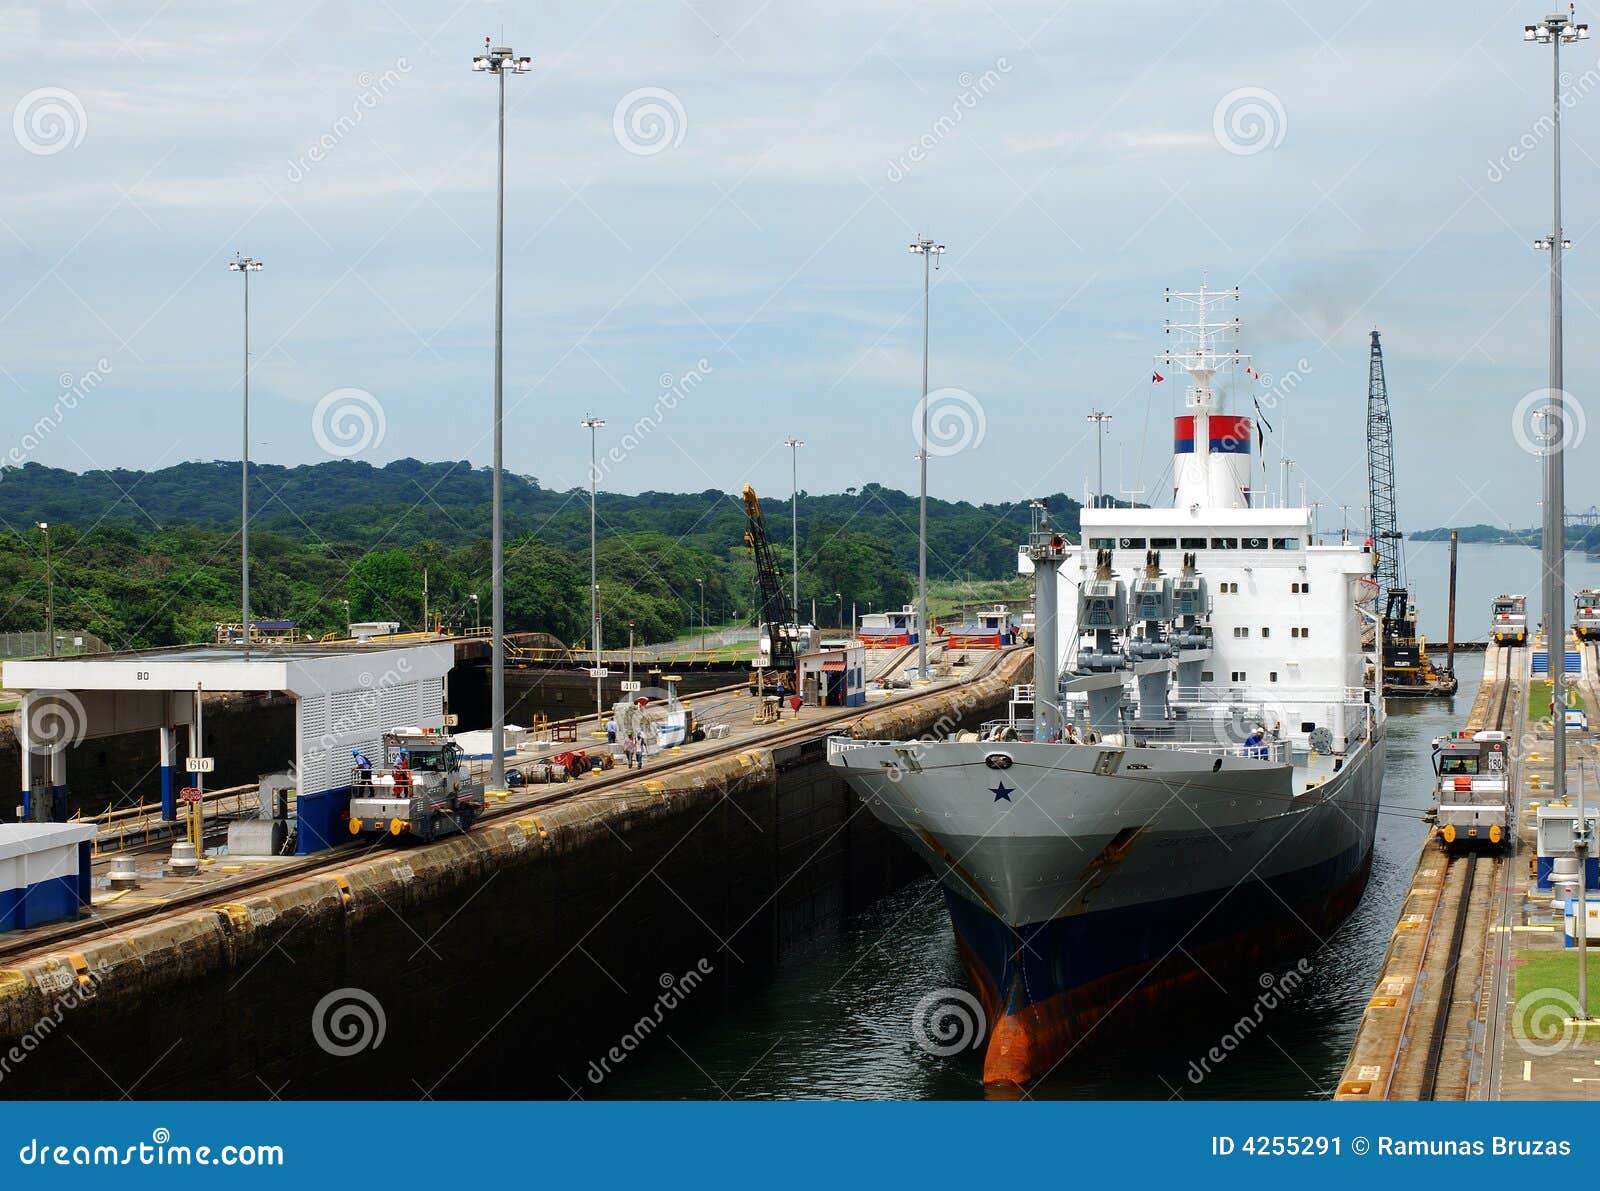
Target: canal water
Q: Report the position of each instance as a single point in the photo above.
(843, 1022)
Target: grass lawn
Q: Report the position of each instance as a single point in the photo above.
(946, 597)
(1545, 991)
(1539, 700)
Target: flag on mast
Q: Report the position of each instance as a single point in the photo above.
(1156, 378)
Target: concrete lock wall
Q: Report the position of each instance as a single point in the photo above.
(513, 962)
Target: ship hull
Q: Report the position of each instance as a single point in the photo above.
(1089, 901)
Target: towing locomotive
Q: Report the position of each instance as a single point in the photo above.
(423, 789)
(1474, 788)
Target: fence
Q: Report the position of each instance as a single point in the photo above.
(69, 643)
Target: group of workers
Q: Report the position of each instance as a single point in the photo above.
(632, 744)
(401, 771)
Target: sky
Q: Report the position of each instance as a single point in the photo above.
(708, 208)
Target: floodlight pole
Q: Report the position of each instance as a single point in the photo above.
(794, 445)
(592, 424)
(930, 251)
(245, 265)
(1553, 30)
(497, 60)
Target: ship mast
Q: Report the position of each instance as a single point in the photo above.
(1206, 474)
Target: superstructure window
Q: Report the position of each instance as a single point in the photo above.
(1300, 631)
(1240, 676)
(1241, 631)
(1266, 631)
(1207, 676)
(1299, 589)
(1272, 676)
(1102, 543)
(1224, 543)
(1132, 543)
(1163, 543)
(1192, 543)
(1286, 543)
(1255, 543)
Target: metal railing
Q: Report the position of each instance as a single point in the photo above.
(117, 828)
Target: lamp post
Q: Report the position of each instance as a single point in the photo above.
(794, 445)
(245, 266)
(930, 253)
(702, 584)
(498, 60)
(1553, 30)
(49, 590)
(346, 604)
(1099, 418)
(592, 424)
(477, 620)
(838, 599)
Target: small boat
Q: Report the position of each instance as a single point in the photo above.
(889, 630)
(991, 629)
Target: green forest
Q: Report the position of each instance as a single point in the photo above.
(144, 559)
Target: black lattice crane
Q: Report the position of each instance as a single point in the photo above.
(1385, 529)
(777, 615)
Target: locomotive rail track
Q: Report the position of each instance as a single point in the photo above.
(1460, 999)
(1432, 1027)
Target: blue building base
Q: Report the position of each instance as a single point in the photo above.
(1544, 864)
(322, 820)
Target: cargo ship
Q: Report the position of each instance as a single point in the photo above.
(1189, 789)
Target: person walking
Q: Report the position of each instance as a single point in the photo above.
(611, 730)
(638, 750)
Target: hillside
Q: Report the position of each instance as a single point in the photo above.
(151, 558)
